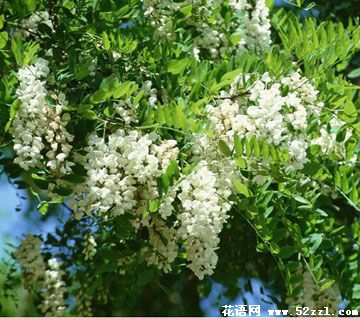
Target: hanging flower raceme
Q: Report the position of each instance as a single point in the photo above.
(40, 136)
(42, 278)
(204, 214)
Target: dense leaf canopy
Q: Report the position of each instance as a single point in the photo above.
(191, 143)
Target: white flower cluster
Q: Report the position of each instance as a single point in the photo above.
(249, 27)
(327, 139)
(126, 111)
(158, 11)
(151, 93)
(31, 262)
(254, 25)
(84, 301)
(202, 219)
(163, 243)
(39, 276)
(31, 24)
(39, 128)
(122, 173)
(53, 303)
(212, 40)
(277, 112)
(202, 201)
(311, 296)
(89, 247)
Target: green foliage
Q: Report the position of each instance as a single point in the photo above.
(103, 52)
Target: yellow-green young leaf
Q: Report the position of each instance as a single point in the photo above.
(265, 149)
(105, 41)
(354, 195)
(3, 39)
(43, 207)
(238, 145)
(257, 152)
(337, 179)
(186, 10)
(181, 117)
(177, 66)
(344, 184)
(2, 19)
(89, 114)
(350, 112)
(230, 76)
(154, 205)
(138, 97)
(122, 89)
(242, 188)
(240, 162)
(248, 147)
(15, 107)
(327, 284)
(168, 118)
(224, 148)
(273, 152)
(160, 115)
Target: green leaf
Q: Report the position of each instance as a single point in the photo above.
(242, 188)
(186, 10)
(327, 284)
(287, 251)
(144, 277)
(301, 199)
(349, 112)
(2, 19)
(105, 41)
(224, 148)
(238, 145)
(122, 89)
(43, 207)
(356, 291)
(3, 39)
(312, 242)
(178, 66)
(73, 178)
(99, 96)
(354, 73)
(89, 114)
(39, 181)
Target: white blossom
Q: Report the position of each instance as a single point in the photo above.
(53, 303)
(89, 250)
(202, 219)
(40, 137)
(312, 297)
(122, 173)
